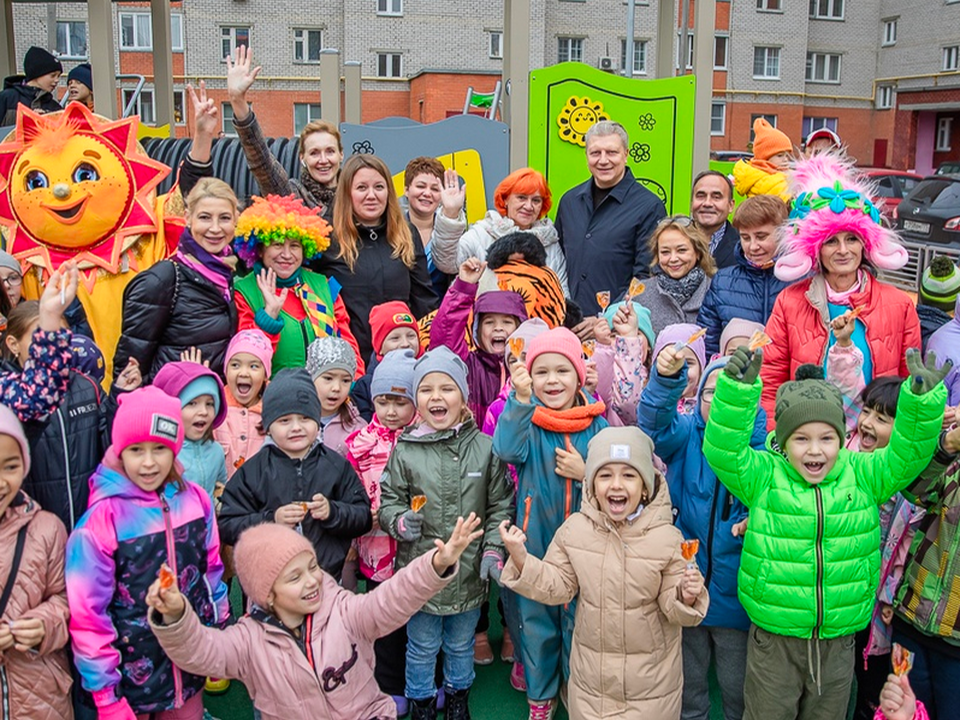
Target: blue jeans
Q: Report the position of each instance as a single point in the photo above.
(426, 634)
(935, 678)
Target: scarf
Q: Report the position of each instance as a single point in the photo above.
(218, 269)
(320, 316)
(681, 289)
(843, 298)
(576, 419)
(321, 194)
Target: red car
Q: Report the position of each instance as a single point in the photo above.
(892, 186)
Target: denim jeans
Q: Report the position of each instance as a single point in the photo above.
(426, 634)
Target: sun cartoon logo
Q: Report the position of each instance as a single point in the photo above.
(578, 115)
(75, 186)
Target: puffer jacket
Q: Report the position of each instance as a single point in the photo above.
(811, 557)
(37, 389)
(169, 308)
(272, 478)
(706, 510)
(16, 92)
(749, 181)
(740, 291)
(113, 556)
(626, 660)
(239, 435)
(35, 685)
(665, 310)
(459, 474)
(945, 343)
(799, 323)
(203, 464)
(336, 431)
(333, 676)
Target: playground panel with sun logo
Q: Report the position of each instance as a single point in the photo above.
(567, 99)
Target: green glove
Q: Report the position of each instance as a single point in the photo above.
(926, 376)
(744, 366)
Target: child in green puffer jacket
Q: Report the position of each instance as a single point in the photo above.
(811, 558)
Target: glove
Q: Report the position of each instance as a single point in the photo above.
(491, 565)
(744, 366)
(926, 376)
(119, 710)
(409, 526)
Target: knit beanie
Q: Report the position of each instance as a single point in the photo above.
(528, 330)
(394, 375)
(290, 391)
(681, 332)
(560, 341)
(768, 141)
(147, 415)
(442, 360)
(10, 425)
(87, 358)
(643, 319)
(330, 353)
(940, 284)
(253, 342)
(261, 554)
(738, 327)
(82, 73)
(10, 262)
(176, 379)
(38, 62)
(629, 445)
(809, 398)
(387, 317)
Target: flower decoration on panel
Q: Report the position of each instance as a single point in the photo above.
(365, 147)
(647, 122)
(578, 115)
(640, 152)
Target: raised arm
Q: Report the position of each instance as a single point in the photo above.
(450, 324)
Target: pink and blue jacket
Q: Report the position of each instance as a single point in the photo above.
(113, 556)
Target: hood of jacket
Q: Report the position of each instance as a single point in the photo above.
(174, 377)
(15, 81)
(659, 511)
(505, 302)
(497, 225)
(18, 513)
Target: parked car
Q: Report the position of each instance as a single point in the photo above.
(892, 186)
(730, 155)
(931, 212)
(951, 167)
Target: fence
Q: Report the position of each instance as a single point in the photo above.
(908, 277)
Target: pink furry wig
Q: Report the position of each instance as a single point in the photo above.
(831, 197)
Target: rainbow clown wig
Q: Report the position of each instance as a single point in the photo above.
(831, 197)
(274, 220)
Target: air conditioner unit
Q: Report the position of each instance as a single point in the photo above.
(606, 63)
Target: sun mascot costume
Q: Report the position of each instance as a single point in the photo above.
(78, 186)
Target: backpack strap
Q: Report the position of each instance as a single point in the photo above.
(14, 567)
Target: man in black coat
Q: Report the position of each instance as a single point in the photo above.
(605, 224)
(710, 206)
(41, 75)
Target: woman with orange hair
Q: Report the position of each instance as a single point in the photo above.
(522, 200)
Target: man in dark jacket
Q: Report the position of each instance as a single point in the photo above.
(604, 224)
(710, 206)
(41, 74)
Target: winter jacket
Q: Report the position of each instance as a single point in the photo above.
(931, 320)
(622, 374)
(443, 245)
(169, 308)
(920, 714)
(725, 254)
(626, 657)
(739, 291)
(17, 92)
(113, 556)
(360, 392)
(606, 246)
(799, 329)
(459, 474)
(486, 372)
(377, 277)
(811, 556)
(271, 478)
(35, 685)
(368, 450)
(749, 181)
(665, 310)
(845, 372)
(38, 389)
(239, 436)
(336, 431)
(706, 510)
(945, 343)
(333, 677)
(203, 463)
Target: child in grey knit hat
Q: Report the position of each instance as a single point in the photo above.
(332, 365)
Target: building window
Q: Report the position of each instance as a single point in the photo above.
(496, 44)
(951, 57)
(944, 131)
(890, 32)
(226, 112)
(768, 5)
(772, 119)
(143, 106)
(136, 31)
(230, 39)
(569, 49)
(179, 103)
(721, 50)
(816, 123)
(823, 67)
(389, 65)
(884, 97)
(689, 50)
(718, 118)
(766, 63)
(307, 45)
(639, 56)
(304, 113)
(826, 9)
(389, 7)
(72, 39)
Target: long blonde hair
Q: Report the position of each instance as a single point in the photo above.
(399, 236)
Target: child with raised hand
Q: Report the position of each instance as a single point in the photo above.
(294, 480)
(496, 314)
(305, 650)
(622, 555)
(332, 364)
(447, 461)
(142, 517)
(543, 431)
(811, 560)
(708, 512)
(247, 364)
(624, 338)
(674, 337)
(844, 365)
(33, 606)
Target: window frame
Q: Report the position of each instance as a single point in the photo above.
(67, 53)
(176, 20)
(810, 74)
(304, 42)
(387, 11)
(951, 52)
(767, 49)
(570, 40)
(639, 47)
(764, 6)
(726, 51)
(125, 98)
(498, 55)
(182, 95)
(944, 134)
(723, 119)
(830, 14)
(310, 115)
(228, 33)
(885, 97)
(889, 39)
(390, 54)
(810, 123)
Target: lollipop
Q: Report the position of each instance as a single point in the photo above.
(589, 348)
(636, 288)
(304, 505)
(678, 346)
(516, 346)
(855, 313)
(417, 502)
(758, 340)
(603, 299)
(902, 660)
(166, 577)
(688, 548)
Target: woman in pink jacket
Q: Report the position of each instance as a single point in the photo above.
(305, 650)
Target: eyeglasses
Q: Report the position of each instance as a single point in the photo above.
(14, 280)
(681, 220)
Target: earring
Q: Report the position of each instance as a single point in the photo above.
(302, 163)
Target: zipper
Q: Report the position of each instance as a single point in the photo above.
(5, 689)
(300, 492)
(172, 562)
(66, 462)
(710, 533)
(819, 496)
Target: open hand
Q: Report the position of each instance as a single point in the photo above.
(240, 75)
(522, 382)
(515, 541)
(670, 362)
(586, 329)
(272, 302)
(130, 377)
(453, 194)
(897, 700)
(464, 533)
(691, 585)
(744, 365)
(926, 375)
(169, 602)
(193, 355)
(60, 291)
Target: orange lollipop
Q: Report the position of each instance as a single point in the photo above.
(304, 506)
(589, 348)
(603, 299)
(902, 660)
(417, 502)
(636, 288)
(855, 313)
(688, 548)
(758, 340)
(690, 340)
(516, 346)
(166, 577)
